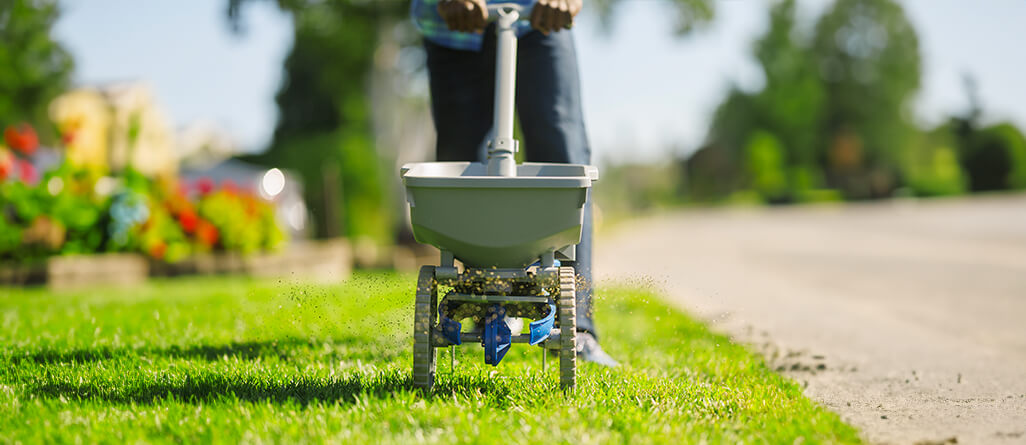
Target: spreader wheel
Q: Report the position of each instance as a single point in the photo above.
(423, 323)
(567, 328)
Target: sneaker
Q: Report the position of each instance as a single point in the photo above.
(588, 349)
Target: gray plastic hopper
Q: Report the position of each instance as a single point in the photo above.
(499, 214)
(497, 221)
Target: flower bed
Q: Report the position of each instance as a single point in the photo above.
(73, 210)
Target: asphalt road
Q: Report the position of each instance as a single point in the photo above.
(908, 318)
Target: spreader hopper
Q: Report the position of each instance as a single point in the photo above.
(497, 221)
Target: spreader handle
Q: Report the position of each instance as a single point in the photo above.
(495, 8)
(502, 148)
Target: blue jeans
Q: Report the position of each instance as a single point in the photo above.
(548, 106)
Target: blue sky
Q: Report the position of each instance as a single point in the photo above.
(645, 92)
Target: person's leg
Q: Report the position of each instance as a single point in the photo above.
(462, 89)
(549, 99)
(549, 109)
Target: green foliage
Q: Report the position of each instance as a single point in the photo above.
(788, 109)
(627, 190)
(60, 213)
(792, 101)
(33, 67)
(22, 201)
(324, 130)
(836, 102)
(947, 174)
(715, 171)
(163, 238)
(932, 168)
(994, 157)
(64, 214)
(868, 55)
(231, 360)
(1015, 141)
(765, 165)
(10, 236)
(74, 204)
(245, 224)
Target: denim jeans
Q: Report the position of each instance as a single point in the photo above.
(548, 101)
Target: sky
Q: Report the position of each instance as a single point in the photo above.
(647, 93)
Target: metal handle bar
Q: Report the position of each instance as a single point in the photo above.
(495, 9)
(500, 153)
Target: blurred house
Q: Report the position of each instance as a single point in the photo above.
(115, 126)
(203, 144)
(142, 134)
(83, 118)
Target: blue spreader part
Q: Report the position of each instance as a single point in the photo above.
(496, 338)
(541, 329)
(555, 263)
(450, 328)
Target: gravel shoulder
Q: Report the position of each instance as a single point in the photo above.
(908, 318)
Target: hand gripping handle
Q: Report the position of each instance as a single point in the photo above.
(495, 10)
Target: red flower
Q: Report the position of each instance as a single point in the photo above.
(158, 249)
(26, 171)
(207, 233)
(22, 138)
(6, 164)
(205, 185)
(188, 220)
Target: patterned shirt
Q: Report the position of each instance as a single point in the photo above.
(429, 22)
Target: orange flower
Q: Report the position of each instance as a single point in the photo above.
(207, 233)
(6, 163)
(229, 186)
(158, 249)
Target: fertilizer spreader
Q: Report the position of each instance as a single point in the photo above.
(510, 226)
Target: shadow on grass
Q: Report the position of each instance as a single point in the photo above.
(211, 387)
(283, 349)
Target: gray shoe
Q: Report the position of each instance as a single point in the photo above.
(588, 349)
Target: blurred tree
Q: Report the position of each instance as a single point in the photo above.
(715, 170)
(931, 165)
(324, 128)
(765, 166)
(835, 101)
(994, 157)
(868, 57)
(33, 67)
(791, 103)
(787, 110)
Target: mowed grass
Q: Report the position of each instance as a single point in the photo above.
(230, 360)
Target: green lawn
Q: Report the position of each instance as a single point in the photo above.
(228, 360)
